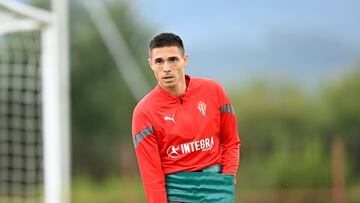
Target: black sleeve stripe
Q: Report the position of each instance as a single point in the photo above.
(142, 135)
(227, 108)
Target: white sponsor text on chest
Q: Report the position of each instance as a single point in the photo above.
(204, 144)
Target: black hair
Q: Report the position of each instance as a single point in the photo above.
(166, 40)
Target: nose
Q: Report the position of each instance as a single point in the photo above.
(167, 67)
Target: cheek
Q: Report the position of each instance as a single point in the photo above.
(157, 74)
(180, 71)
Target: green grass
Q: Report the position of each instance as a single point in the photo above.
(111, 190)
(130, 190)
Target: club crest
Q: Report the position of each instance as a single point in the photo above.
(202, 107)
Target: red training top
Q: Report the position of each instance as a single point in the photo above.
(184, 133)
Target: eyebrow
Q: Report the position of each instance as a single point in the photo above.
(158, 59)
(170, 57)
(173, 57)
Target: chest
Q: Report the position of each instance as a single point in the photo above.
(193, 119)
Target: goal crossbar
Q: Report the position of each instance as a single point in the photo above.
(23, 25)
(27, 11)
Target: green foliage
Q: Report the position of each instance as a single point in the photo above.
(343, 97)
(101, 102)
(309, 167)
(284, 168)
(343, 100)
(274, 115)
(43, 4)
(286, 134)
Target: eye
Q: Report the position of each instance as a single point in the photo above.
(173, 59)
(158, 61)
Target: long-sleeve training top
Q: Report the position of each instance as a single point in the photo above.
(184, 133)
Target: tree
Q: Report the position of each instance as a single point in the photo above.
(101, 103)
(343, 99)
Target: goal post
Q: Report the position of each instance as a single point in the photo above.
(53, 64)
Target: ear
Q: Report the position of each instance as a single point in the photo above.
(186, 58)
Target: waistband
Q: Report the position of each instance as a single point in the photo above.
(206, 185)
(214, 169)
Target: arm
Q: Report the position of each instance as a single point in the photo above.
(147, 152)
(229, 138)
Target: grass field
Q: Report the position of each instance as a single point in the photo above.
(110, 191)
(129, 190)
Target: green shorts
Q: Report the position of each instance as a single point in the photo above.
(208, 186)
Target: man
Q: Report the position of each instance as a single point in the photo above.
(184, 132)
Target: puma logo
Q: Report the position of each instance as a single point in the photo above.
(168, 118)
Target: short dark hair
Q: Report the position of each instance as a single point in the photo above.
(166, 39)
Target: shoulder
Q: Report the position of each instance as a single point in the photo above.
(144, 104)
(213, 88)
(207, 83)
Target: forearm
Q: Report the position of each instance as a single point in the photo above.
(152, 175)
(231, 158)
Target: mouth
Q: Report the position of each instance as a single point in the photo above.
(168, 77)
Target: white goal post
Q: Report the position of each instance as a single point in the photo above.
(18, 17)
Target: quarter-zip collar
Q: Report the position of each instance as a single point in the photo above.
(182, 98)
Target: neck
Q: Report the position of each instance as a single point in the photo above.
(177, 90)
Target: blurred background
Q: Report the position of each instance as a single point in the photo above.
(291, 69)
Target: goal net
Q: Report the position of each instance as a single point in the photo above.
(33, 149)
(20, 118)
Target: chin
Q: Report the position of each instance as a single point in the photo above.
(168, 85)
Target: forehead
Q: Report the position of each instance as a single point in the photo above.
(165, 52)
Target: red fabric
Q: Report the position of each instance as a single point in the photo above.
(190, 133)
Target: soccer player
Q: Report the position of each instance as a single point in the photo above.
(184, 132)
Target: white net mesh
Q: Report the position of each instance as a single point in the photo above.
(20, 118)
